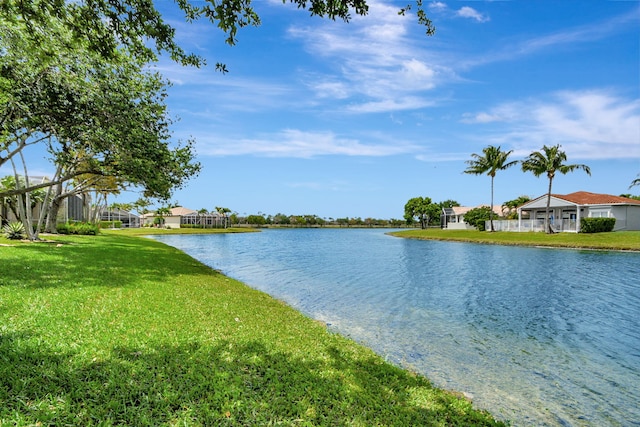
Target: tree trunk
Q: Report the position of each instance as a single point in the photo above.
(14, 210)
(54, 209)
(23, 200)
(491, 208)
(52, 216)
(547, 224)
(44, 208)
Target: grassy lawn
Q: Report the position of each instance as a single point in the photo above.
(119, 330)
(619, 240)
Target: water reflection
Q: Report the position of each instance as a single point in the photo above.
(536, 336)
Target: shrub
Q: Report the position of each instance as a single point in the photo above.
(597, 225)
(62, 228)
(86, 228)
(110, 224)
(83, 228)
(14, 231)
(478, 216)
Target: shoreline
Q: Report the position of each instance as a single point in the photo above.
(619, 241)
(203, 348)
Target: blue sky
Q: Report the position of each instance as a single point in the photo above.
(334, 119)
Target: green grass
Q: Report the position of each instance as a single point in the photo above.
(619, 240)
(146, 231)
(121, 330)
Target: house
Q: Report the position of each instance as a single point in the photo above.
(566, 211)
(72, 209)
(453, 218)
(124, 217)
(180, 216)
(170, 220)
(175, 218)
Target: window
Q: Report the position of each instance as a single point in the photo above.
(599, 213)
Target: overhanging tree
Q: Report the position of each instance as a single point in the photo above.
(88, 186)
(94, 116)
(47, 101)
(107, 25)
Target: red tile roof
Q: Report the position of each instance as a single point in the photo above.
(586, 198)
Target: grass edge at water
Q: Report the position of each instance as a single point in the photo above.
(618, 240)
(115, 329)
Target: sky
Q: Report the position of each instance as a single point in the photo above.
(353, 119)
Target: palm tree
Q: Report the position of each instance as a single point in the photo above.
(510, 207)
(635, 182)
(223, 211)
(550, 161)
(160, 213)
(493, 160)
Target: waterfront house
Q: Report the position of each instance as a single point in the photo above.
(567, 210)
(453, 218)
(126, 218)
(181, 217)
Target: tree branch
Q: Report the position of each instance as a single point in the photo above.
(48, 183)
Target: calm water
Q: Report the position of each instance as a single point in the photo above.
(536, 336)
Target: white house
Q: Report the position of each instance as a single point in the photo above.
(453, 217)
(172, 219)
(566, 211)
(180, 216)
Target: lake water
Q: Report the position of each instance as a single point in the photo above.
(536, 336)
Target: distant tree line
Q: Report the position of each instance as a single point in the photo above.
(283, 220)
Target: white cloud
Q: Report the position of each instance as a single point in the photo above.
(566, 37)
(584, 33)
(463, 12)
(417, 74)
(482, 117)
(505, 112)
(592, 124)
(375, 62)
(331, 88)
(469, 12)
(300, 144)
(437, 6)
(390, 105)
